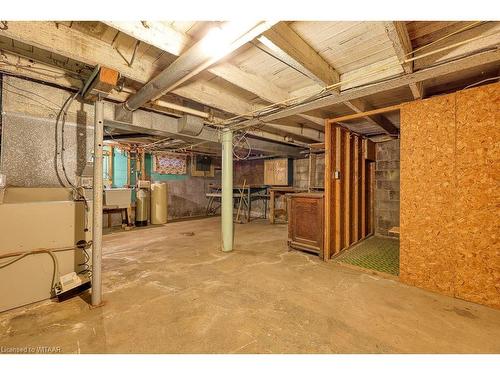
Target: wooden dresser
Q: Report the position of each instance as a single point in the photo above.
(305, 222)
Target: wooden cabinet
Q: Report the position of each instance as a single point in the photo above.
(305, 222)
(278, 172)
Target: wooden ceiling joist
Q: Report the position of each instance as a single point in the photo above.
(283, 41)
(154, 33)
(363, 110)
(76, 45)
(398, 34)
(247, 81)
(478, 59)
(371, 112)
(65, 47)
(285, 44)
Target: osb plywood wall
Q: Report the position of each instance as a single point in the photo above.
(450, 194)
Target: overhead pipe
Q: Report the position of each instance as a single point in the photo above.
(217, 43)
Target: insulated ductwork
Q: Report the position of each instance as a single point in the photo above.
(190, 125)
(218, 42)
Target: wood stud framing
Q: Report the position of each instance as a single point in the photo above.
(349, 178)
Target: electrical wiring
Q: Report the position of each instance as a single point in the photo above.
(86, 268)
(62, 111)
(64, 108)
(55, 276)
(236, 123)
(371, 72)
(241, 139)
(39, 70)
(482, 81)
(32, 93)
(54, 110)
(470, 26)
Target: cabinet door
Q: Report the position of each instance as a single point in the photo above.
(306, 223)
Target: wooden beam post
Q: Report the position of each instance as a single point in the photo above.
(347, 188)
(363, 194)
(328, 191)
(338, 197)
(355, 190)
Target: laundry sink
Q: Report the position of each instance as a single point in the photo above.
(118, 197)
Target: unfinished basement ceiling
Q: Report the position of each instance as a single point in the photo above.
(258, 73)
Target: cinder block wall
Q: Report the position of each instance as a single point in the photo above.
(387, 187)
(300, 173)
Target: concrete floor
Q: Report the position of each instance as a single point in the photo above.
(168, 291)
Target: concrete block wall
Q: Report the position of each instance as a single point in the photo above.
(301, 172)
(387, 187)
(186, 197)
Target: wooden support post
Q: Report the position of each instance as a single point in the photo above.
(355, 190)
(111, 164)
(363, 189)
(328, 191)
(271, 206)
(371, 224)
(143, 165)
(360, 185)
(338, 199)
(347, 189)
(128, 168)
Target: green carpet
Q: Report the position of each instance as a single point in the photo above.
(376, 253)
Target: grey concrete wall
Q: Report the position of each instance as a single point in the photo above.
(186, 197)
(387, 187)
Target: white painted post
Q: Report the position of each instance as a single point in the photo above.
(97, 205)
(227, 191)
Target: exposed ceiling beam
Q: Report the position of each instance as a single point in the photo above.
(359, 106)
(457, 65)
(25, 67)
(81, 47)
(160, 36)
(478, 38)
(76, 45)
(154, 33)
(401, 42)
(297, 132)
(212, 47)
(260, 87)
(282, 41)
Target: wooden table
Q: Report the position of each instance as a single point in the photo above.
(124, 211)
(276, 192)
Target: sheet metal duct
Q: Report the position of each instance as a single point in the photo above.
(190, 125)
